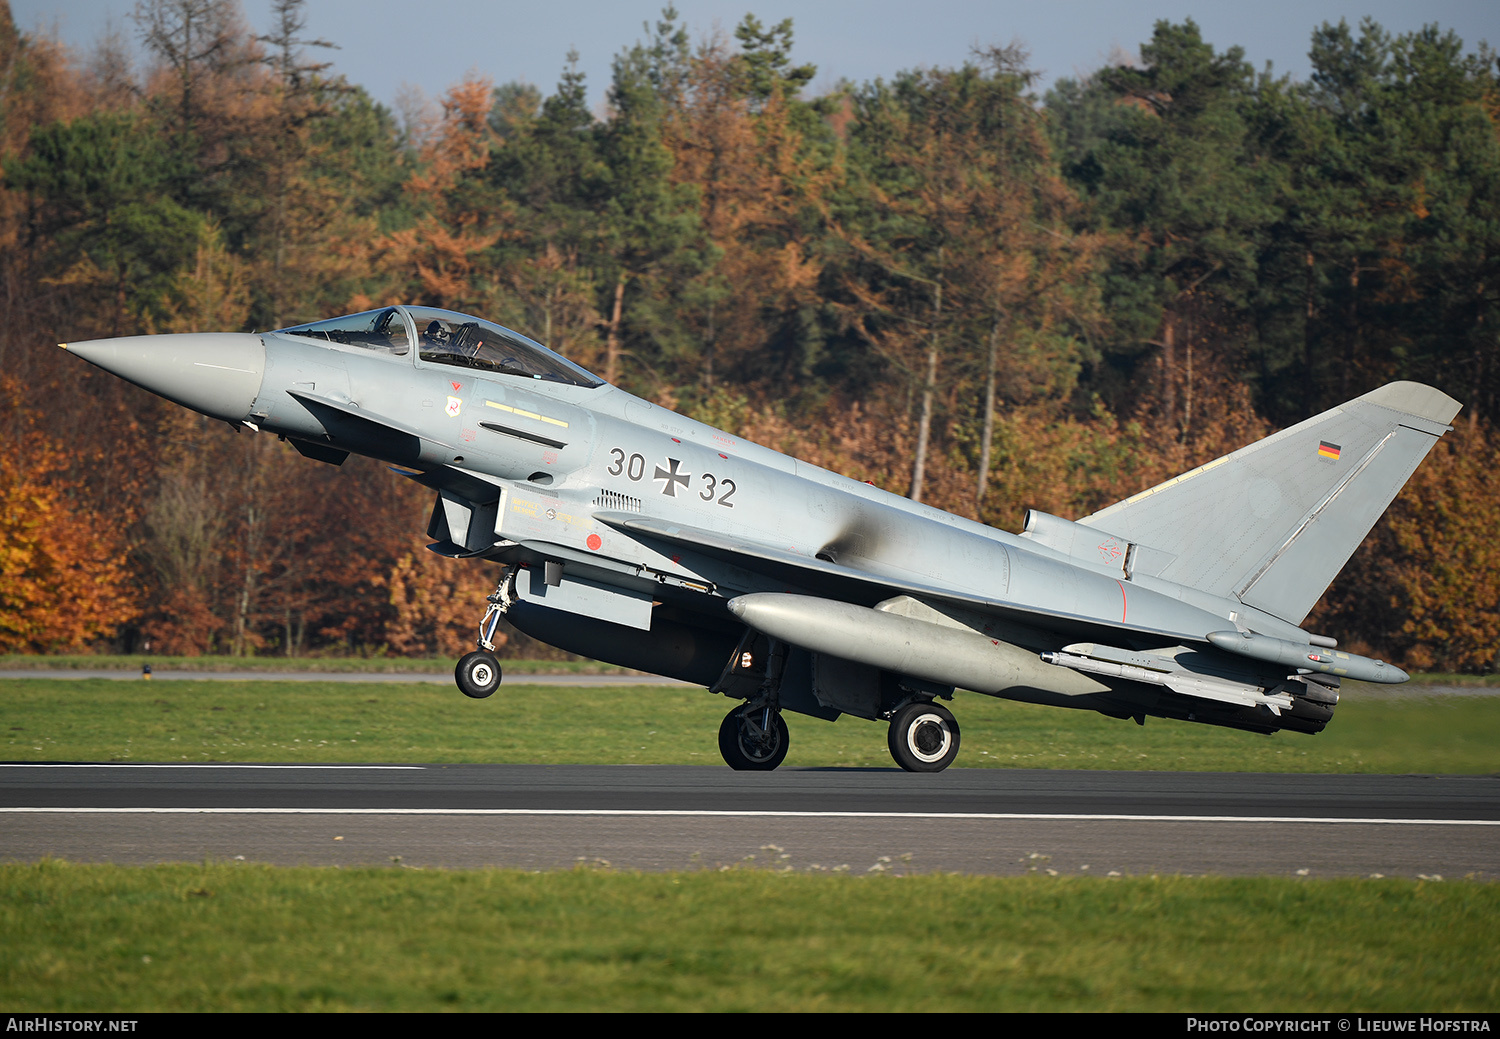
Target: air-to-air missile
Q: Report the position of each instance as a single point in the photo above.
(630, 534)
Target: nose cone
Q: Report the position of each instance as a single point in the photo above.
(217, 373)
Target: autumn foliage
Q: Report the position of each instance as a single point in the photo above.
(64, 578)
(1428, 579)
(939, 282)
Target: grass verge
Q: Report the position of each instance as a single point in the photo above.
(58, 719)
(249, 938)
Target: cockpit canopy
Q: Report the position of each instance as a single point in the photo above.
(445, 337)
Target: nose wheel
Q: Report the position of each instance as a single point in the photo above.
(477, 674)
(753, 739)
(923, 737)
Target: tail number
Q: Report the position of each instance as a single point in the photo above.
(712, 484)
(633, 467)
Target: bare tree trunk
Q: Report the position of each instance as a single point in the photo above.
(708, 350)
(1187, 386)
(987, 437)
(248, 584)
(929, 389)
(1169, 369)
(612, 343)
(1352, 338)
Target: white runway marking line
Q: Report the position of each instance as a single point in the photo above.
(758, 814)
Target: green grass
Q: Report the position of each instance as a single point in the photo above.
(250, 938)
(1451, 678)
(336, 665)
(57, 719)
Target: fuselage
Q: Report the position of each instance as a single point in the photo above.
(535, 461)
(574, 450)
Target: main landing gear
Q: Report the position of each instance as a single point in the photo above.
(753, 739)
(923, 737)
(478, 673)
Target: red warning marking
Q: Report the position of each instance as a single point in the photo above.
(456, 385)
(1123, 603)
(594, 542)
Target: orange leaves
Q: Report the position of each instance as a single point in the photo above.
(440, 258)
(63, 583)
(462, 142)
(1424, 588)
(435, 604)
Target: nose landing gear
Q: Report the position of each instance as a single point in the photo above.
(478, 673)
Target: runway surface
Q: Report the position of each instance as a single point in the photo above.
(996, 821)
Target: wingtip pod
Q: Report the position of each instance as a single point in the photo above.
(1415, 398)
(1307, 658)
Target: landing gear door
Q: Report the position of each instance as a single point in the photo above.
(462, 526)
(577, 595)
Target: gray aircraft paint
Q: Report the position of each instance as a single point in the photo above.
(1182, 601)
(1274, 522)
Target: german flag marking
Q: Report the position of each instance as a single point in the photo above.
(1328, 451)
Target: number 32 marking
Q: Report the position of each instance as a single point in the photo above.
(708, 492)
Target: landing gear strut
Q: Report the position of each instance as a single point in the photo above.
(478, 673)
(754, 737)
(923, 737)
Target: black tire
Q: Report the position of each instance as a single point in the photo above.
(923, 737)
(743, 754)
(477, 674)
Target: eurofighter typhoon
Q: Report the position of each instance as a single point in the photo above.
(633, 535)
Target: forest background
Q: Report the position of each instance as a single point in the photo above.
(942, 283)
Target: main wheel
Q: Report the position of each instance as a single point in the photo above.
(923, 737)
(477, 674)
(745, 751)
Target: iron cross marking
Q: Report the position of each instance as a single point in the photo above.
(673, 479)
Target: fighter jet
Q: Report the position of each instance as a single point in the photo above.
(630, 534)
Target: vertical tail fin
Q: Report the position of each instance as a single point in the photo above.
(1274, 522)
